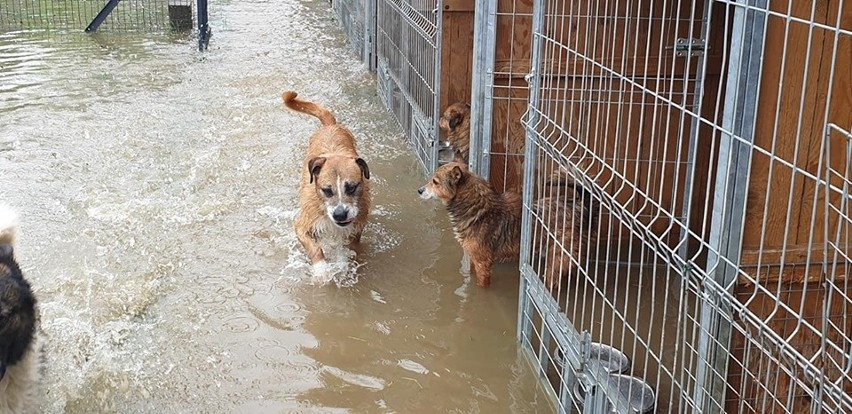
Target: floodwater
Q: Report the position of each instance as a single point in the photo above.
(157, 189)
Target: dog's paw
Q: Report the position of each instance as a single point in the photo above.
(321, 273)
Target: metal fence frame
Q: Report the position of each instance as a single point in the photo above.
(712, 296)
(110, 16)
(358, 21)
(408, 53)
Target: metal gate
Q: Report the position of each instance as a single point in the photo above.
(358, 21)
(408, 39)
(686, 198)
(106, 15)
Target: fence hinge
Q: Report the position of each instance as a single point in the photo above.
(689, 47)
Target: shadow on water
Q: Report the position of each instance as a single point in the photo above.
(158, 188)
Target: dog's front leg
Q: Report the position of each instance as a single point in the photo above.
(319, 268)
(355, 244)
(482, 267)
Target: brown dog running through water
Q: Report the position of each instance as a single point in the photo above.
(334, 194)
(455, 122)
(486, 224)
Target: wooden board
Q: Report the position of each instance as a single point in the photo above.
(785, 215)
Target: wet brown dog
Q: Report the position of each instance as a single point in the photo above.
(18, 359)
(455, 122)
(569, 214)
(334, 194)
(486, 224)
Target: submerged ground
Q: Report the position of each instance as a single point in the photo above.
(157, 188)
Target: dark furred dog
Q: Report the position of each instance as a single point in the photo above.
(570, 215)
(334, 194)
(18, 360)
(455, 122)
(486, 224)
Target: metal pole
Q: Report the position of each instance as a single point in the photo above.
(436, 99)
(102, 15)
(732, 179)
(524, 304)
(482, 93)
(203, 28)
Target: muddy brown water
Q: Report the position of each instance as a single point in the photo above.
(157, 189)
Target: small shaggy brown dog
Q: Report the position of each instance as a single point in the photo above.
(486, 224)
(455, 122)
(569, 214)
(334, 194)
(18, 358)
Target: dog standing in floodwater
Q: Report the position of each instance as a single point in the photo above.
(334, 193)
(18, 357)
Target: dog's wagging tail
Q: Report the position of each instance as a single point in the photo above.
(325, 117)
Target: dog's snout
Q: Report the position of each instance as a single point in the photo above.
(340, 214)
(421, 190)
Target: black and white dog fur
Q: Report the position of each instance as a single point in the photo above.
(18, 357)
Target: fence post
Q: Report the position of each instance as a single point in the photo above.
(732, 178)
(203, 27)
(436, 79)
(534, 80)
(482, 95)
(102, 15)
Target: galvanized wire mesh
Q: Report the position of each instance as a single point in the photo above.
(357, 19)
(408, 70)
(686, 194)
(128, 15)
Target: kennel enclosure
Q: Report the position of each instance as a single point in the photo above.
(711, 140)
(722, 246)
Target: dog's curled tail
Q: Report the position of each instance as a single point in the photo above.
(308, 107)
(8, 224)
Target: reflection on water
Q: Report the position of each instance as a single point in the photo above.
(158, 191)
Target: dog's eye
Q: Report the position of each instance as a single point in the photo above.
(435, 181)
(350, 189)
(327, 192)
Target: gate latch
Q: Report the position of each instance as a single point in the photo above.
(689, 47)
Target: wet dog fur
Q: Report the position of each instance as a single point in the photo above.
(18, 320)
(455, 122)
(570, 215)
(334, 192)
(487, 224)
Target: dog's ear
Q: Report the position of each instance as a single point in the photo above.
(455, 120)
(363, 166)
(6, 251)
(456, 175)
(314, 167)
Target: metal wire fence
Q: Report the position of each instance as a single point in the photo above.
(408, 39)
(128, 15)
(686, 194)
(358, 21)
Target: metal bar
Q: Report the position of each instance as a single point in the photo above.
(692, 151)
(204, 31)
(436, 97)
(524, 305)
(728, 217)
(102, 15)
(482, 99)
(370, 21)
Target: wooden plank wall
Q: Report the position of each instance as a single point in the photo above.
(631, 142)
(793, 107)
(457, 52)
(797, 97)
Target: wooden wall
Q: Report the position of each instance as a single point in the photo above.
(457, 52)
(793, 108)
